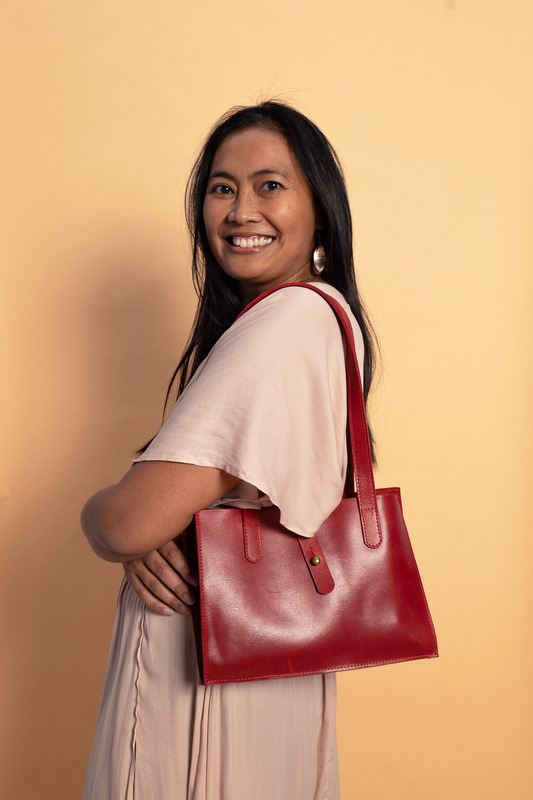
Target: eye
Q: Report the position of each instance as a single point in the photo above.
(220, 188)
(271, 186)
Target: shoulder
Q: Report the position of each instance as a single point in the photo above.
(292, 312)
(293, 328)
(288, 332)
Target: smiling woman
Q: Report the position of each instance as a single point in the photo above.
(260, 420)
(259, 211)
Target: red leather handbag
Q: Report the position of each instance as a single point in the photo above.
(276, 605)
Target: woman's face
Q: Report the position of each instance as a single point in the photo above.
(259, 211)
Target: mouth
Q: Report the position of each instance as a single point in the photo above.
(249, 242)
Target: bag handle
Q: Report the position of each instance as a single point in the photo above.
(361, 458)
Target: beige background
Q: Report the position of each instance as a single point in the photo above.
(429, 104)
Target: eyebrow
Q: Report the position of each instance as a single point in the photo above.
(260, 173)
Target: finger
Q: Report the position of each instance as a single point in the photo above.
(153, 592)
(167, 575)
(175, 557)
(163, 583)
(145, 595)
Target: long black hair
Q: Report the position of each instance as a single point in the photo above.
(221, 298)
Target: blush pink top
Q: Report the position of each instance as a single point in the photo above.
(269, 406)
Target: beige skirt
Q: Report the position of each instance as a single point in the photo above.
(161, 735)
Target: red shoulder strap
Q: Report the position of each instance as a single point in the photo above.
(361, 458)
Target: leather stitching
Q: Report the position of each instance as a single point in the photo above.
(251, 528)
(340, 668)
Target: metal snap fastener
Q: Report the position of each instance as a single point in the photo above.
(315, 561)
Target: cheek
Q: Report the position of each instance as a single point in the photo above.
(210, 222)
(303, 214)
(304, 228)
(298, 219)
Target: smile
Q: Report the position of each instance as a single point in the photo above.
(252, 241)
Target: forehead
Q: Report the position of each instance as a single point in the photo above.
(253, 149)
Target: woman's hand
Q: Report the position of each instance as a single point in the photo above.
(162, 579)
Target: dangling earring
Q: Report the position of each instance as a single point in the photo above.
(319, 258)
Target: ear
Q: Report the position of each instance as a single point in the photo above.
(321, 222)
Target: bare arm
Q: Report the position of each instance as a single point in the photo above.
(149, 507)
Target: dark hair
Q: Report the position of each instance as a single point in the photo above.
(221, 297)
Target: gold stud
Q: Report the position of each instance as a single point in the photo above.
(315, 561)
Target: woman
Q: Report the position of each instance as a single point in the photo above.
(260, 420)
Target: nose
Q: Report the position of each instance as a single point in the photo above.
(245, 209)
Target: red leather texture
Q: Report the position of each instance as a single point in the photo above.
(266, 610)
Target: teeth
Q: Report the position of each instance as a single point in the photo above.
(252, 241)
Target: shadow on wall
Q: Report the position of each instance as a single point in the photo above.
(107, 336)
(134, 319)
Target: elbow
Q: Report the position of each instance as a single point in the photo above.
(106, 549)
(104, 530)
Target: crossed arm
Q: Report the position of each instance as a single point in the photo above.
(137, 520)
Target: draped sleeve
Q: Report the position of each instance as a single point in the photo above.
(268, 405)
